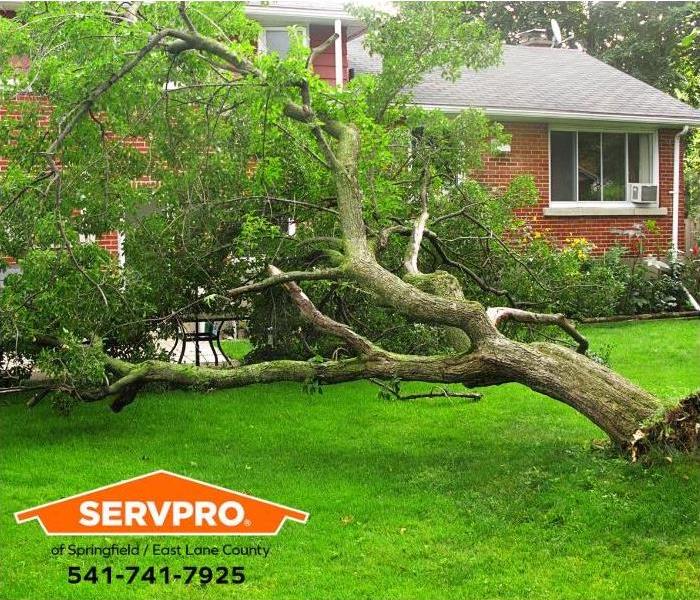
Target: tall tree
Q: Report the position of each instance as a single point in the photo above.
(640, 38)
(375, 184)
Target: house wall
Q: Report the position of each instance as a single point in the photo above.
(530, 155)
(324, 64)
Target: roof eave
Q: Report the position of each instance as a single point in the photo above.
(308, 14)
(550, 115)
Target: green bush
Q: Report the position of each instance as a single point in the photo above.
(574, 281)
(690, 275)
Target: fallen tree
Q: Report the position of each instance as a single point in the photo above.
(354, 138)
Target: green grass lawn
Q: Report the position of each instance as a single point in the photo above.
(506, 498)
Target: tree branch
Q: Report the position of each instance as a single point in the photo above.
(194, 41)
(320, 49)
(410, 262)
(79, 111)
(182, 9)
(279, 278)
(439, 392)
(438, 244)
(499, 315)
(322, 322)
(475, 277)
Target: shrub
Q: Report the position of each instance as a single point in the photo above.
(577, 283)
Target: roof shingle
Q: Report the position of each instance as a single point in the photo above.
(546, 82)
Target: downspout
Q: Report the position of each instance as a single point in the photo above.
(120, 249)
(676, 189)
(676, 205)
(339, 53)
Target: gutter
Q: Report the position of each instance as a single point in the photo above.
(676, 189)
(551, 115)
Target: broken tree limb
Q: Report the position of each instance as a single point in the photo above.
(320, 49)
(413, 249)
(280, 278)
(500, 314)
(439, 392)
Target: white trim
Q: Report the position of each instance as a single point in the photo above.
(338, 26)
(676, 189)
(601, 193)
(575, 168)
(572, 209)
(627, 163)
(655, 165)
(120, 249)
(545, 115)
(605, 127)
(322, 16)
(549, 163)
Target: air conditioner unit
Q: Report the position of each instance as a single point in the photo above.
(642, 193)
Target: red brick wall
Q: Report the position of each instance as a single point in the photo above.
(110, 240)
(324, 64)
(14, 109)
(530, 155)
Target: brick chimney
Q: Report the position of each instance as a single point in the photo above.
(534, 37)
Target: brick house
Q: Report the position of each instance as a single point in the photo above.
(604, 148)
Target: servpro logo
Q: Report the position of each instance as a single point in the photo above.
(161, 503)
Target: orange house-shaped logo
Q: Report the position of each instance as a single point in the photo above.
(161, 503)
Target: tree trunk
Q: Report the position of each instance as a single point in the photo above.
(445, 285)
(615, 404)
(630, 415)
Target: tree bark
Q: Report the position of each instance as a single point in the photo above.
(616, 405)
(620, 408)
(445, 285)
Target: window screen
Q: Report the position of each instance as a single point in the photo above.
(614, 167)
(563, 165)
(277, 40)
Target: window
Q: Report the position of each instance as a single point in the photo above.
(641, 158)
(595, 166)
(563, 166)
(277, 39)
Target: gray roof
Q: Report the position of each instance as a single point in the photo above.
(547, 83)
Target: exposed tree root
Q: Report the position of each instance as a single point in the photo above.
(679, 429)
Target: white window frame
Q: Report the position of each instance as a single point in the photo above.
(602, 204)
(262, 39)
